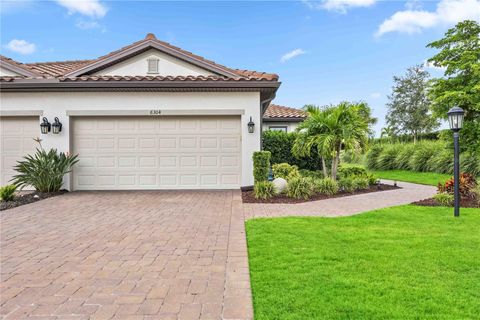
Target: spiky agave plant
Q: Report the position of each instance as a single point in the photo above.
(44, 170)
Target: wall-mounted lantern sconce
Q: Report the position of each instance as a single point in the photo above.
(56, 126)
(45, 126)
(251, 126)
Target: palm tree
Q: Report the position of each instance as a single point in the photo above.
(331, 129)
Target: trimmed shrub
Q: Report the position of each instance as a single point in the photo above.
(261, 165)
(346, 170)
(444, 198)
(264, 190)
(280, 144)
(372, 156)
(360, 183)
(326, 186)
(300, 188)
(284, 170)
(44, 170)
(372, 179)
(423, 152)
(7, 193)
(346, 184)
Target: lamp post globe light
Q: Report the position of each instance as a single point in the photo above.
(455, 120)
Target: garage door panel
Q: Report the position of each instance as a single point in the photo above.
(140, 153)
(16, 141)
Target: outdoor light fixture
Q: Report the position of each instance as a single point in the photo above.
(251, 126)
(45, 126)
(455, 119)
(56, 126)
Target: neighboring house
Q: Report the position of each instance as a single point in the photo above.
(282, 118)
(147, 116)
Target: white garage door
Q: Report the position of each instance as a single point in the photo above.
(120, 153)
(16, 141)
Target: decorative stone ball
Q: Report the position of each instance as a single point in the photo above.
(280, 184)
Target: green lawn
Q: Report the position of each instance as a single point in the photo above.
(404, 262)
(430, 178)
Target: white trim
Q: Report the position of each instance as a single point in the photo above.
(17, 113)
(156, 112)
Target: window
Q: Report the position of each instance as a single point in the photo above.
(278, 128)
(152, 65)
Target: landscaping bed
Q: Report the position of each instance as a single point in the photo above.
(28, 197)
(464, 203)
(249, 196)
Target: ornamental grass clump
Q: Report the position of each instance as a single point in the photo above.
(7, 193)
(441, 162)
(44, 170)
(300, 188)
(403, 156)
(444, 198)
(360, 183)
(346, 184)
(372, 156)
(422, 154)
(264, 190)
(386, 159)
(326, 186)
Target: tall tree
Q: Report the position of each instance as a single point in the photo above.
(332, 129)
(460, 56)
(408, 105)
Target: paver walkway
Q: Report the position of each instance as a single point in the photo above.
(344, 206)
(126, 255)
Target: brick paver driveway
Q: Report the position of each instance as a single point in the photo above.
(126, 255)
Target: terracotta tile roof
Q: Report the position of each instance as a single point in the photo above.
(62, 68)
(15, 63)
(57, 69)
(158, 78)
(275, 111)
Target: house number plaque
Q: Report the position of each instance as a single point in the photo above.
(155, 112)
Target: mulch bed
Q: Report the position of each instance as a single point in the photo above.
(26, 198)
(249, 197)
(464, 203)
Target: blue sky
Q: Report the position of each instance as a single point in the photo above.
(324, 52)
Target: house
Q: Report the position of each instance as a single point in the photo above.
(147, 116)
(282, 118)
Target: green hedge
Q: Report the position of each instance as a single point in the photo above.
(424, 156)
(280, 144)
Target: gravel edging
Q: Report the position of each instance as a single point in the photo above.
(27, 198)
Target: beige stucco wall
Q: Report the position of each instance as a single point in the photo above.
(167, 66)
(59, 104)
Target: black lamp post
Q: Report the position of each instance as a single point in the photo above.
(455, 119)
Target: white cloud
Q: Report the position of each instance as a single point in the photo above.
(375, 95)
(448, 12)
(341, 6)
(292, 54)
(91, 8)
(21, 46)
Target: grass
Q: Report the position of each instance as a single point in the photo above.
(429, 178)
(404, 262)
